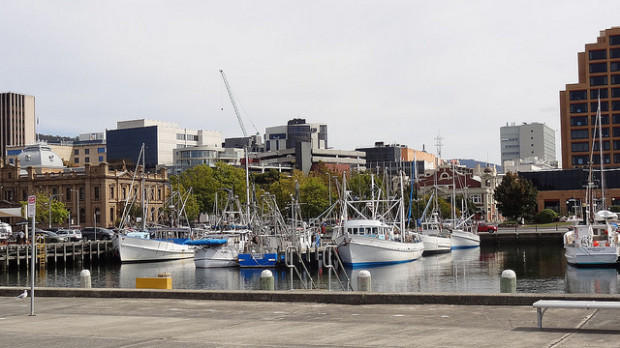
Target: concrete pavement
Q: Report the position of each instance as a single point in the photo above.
(136, 321)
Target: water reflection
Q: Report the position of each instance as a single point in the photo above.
(591, 280)
(540, 268)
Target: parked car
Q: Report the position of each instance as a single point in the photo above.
(484, 227)
(50, 237)
(71, 234)
(89, 233)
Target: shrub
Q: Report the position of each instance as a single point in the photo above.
(615, 208)
(546, 216)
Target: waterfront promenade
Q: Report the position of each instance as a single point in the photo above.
(129, 318)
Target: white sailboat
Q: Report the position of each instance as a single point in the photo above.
(148, 246)
(594, 242)
(463, 236)
(371, 241)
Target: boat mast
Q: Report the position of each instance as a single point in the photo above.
(142, 192)
(600, 148)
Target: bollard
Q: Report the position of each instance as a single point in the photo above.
(363, 281)
(85, 279)
(508, 282)
(266, 280)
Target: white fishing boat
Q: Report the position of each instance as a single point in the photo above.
(220, 250)
(371, 241)
(593, 244)
(139, 247)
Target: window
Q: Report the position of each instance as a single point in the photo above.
(615, 92)
(605, 145)
(614, 53)
(615, 79)
(598, 54)
(580, 160)
(101, 150)
(604, 130)
(578, 108)
(112, 192)
(86, 159)
(180, 136)
(579, 134)
(615, 105)
(598, 68)
(580, 147)
(616, 131)
(87, 151)
(578, 95)
(77, 160)
(606, 159)
(96, 192)
(614, 40)
(100, 158)
(595, 92)
(598, 80)
(580, 121)
(616, 118)
(604, 106)
(616, 144)
(614, 66)
(604, 119)
(76, 152)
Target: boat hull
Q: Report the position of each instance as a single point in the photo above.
(464, 240)
(265, 260)
(131, 249)
(360, 251)
(583, 256)
(216, 257)
(434, 244)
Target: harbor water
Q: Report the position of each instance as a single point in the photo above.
(540, 268)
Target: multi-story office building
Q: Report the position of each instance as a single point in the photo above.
(296, 131)
(396, 157)
(599, 76)
(160, 139)
(526, 142)
(17, 121)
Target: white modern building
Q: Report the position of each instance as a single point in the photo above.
(528, 142)
(161, 139)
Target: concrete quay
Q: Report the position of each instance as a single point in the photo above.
(177, 318)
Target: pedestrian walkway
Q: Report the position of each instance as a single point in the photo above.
(137, 322)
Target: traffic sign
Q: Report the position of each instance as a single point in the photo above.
(32, 205)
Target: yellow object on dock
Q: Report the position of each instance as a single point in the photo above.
(154, 283)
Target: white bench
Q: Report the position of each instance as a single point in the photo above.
(542, 306)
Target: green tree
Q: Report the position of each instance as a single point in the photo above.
(58, 210)
(516, 197)
(314, 197)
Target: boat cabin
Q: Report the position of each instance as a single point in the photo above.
(369, 228)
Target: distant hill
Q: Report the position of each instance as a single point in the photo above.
(54, 138)
(471, 163)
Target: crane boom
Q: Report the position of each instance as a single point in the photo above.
(232, 100)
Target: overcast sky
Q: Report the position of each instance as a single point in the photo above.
(393, 71)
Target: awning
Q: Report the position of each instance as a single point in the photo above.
(10, 212)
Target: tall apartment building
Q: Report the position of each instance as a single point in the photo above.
(599, 75)
(17, 121)
(527, 141)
